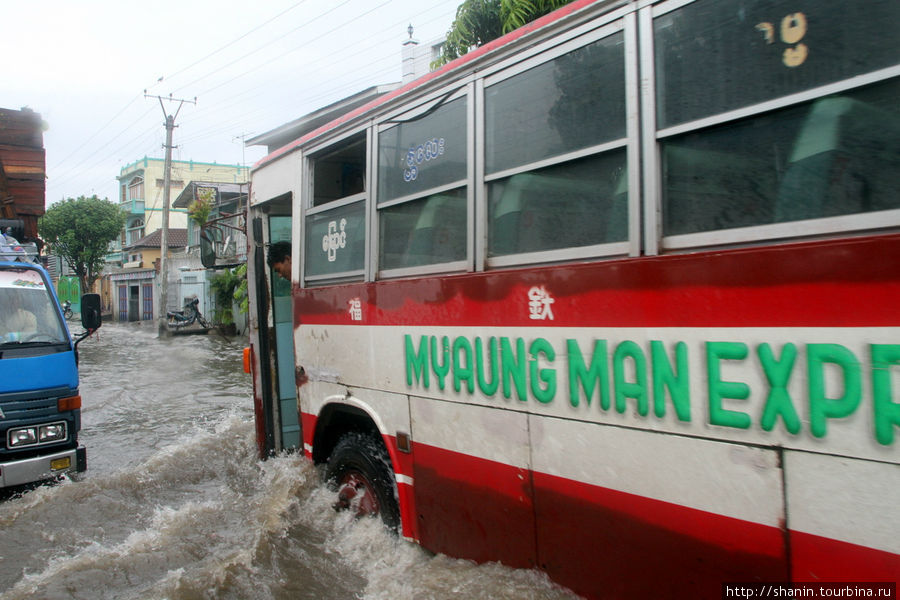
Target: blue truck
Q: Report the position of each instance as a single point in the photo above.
(40, 405)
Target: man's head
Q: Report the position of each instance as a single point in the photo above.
(280, 258)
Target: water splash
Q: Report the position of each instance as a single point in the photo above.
(176, 506)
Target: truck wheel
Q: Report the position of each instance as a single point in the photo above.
(359, 471)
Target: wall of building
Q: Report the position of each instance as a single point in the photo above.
(183, 172)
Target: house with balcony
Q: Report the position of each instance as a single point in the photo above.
(131, 257)
(188, 278)
(141, 187)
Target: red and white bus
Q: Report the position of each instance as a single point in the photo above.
(616, 296)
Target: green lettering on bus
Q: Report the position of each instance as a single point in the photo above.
(505, 362)
(462, 369)
(547, 392)
(636, 389)
(440, 368)
(581, 377)
(887, 412)
(417, 361)
(513, 367)
(778, 401)
(487, 388)
(676, 381)
(821, 407)
(719, 390)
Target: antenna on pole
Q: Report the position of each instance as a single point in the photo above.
(243, 138)
(164, 237)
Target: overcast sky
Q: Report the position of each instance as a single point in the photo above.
(252, 65)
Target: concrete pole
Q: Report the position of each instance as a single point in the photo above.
(164, 237)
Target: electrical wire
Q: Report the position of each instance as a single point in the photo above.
(226, 106)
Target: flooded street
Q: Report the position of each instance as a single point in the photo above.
(175, 505)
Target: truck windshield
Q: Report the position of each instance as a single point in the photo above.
(27, 311)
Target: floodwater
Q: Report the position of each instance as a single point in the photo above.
(175, 505)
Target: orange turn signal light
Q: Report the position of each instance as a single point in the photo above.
(68, 403)
(247, 359)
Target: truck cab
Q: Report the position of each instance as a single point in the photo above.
(40, 405)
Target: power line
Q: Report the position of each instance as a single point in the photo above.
(324, 94)
(254, 51)
(234, 41)
(224, 106)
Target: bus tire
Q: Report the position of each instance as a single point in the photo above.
(359, 471)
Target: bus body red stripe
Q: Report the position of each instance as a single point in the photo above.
(850, 283)
(605, 543)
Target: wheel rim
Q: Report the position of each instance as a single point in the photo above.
(357, 494)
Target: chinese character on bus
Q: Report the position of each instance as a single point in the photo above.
(355, 309)
(539, 302)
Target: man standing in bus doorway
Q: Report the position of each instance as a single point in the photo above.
(280, 259)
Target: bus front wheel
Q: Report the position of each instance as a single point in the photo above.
(359, 472)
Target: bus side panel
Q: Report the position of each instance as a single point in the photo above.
(817, 558)
(835, 505)
(472, 486)
(625, 513)
(607, 544)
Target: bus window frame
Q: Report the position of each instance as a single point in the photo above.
(643, 144)
(652, 139)
(307, 207)
(416, 107)
(613, 23)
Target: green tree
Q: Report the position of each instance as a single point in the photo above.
(80, 230)
(480, 21)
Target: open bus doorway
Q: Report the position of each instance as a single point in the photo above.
(283, 342)
(271, 330)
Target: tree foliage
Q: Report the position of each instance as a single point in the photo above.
(480, 21)
(230, 287)
(80, 230)
(200, 209)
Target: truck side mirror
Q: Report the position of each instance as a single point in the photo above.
(207, 250)
(90, 312)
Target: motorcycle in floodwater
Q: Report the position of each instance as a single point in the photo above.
(190, 314)
(67, 310)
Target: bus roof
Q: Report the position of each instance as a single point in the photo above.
(458, 63)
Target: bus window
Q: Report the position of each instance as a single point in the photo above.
(335, 242)
(423, 153)
(335, 224)
(714, 56)
(340, 173)
(711, 182)
(574, 204)
(421, 222)
(430, 230)
(574, 115)
(845, 161)
(835, 156)
(570, 103)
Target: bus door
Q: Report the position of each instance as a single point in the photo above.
(286, 390)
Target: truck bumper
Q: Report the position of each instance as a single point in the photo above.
(42, 467)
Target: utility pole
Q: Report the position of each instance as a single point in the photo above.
(164, 237)
(243, 138)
